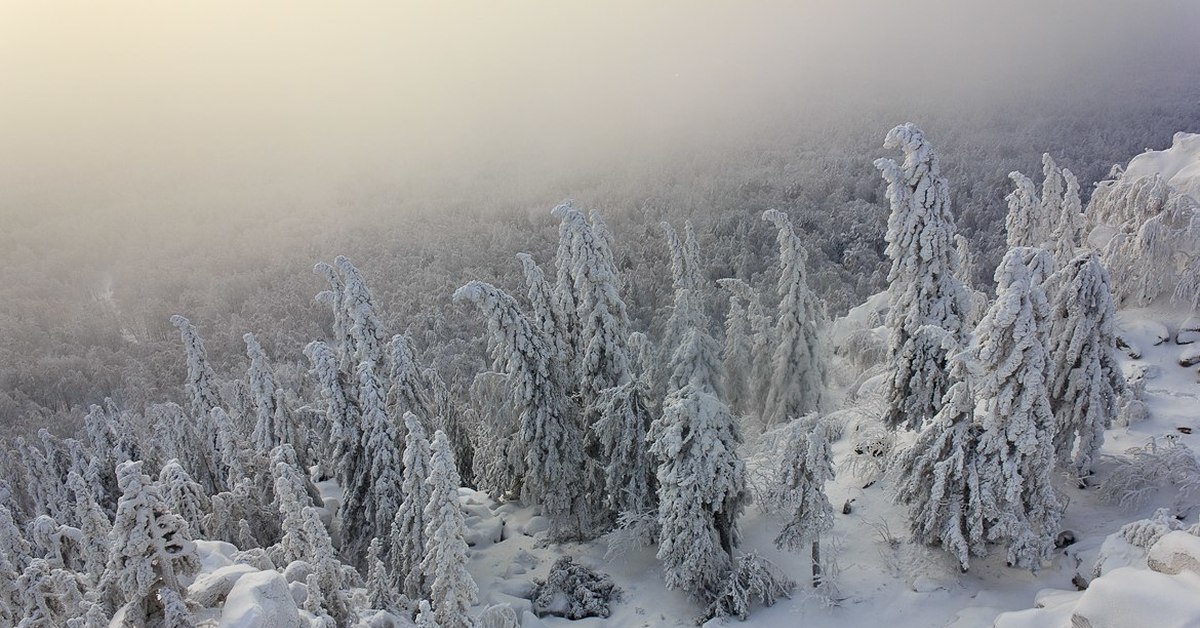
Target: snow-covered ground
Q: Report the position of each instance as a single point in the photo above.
(877, 575)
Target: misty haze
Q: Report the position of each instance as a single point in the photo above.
(538, 313)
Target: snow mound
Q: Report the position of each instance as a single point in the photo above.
(1125, 597)
(1179, 165)
(1176, 552)
(261, 600)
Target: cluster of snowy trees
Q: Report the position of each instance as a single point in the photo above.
(105, 541)
(1002, 404)
(607, 421)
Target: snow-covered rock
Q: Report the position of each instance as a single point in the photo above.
(1174, 553)
(1179, 165)
(215, 554)
(261, 600)
(1189, 331)
(1139, 597)
(1190, 356)
(297, 571)
(209, 589)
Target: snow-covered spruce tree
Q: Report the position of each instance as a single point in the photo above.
(344, 417)
(50, 595)
(380, 593)
(1024, 223)
(701, 478)
(599, 311)
(377, 491)
(260, 382)
(365, 332)
(1085, 378)
(550, 428)
(335, 298)
(94, 527)
(798, 378)
(408, 527)
(291, 498)
(753, 577)
(938, 477)
(201, 381)
(739, 344)
(183, 441)
(149, 548)
(15, 555)
(1016, 448)
(499, 457)
(924, 286)
(326, 587)
(184, 496)
(565, 293)
(407, 389)
(452, 590)
(101, 438)
(799, 490)
(629, 475)
(1053, 193)
(1068, 228)
(425, 616)
(977, 300)
(229, 444)
(58, 543)
(547, 317)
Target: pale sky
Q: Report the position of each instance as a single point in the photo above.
(163, 99)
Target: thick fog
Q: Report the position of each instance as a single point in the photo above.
(141, 109)
(197, 158)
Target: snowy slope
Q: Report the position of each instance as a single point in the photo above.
(1179, 165)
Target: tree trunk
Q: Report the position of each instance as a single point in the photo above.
(816, 560)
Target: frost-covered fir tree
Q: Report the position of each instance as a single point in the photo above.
(406, 384)
(184, 496)
(452, 590)
(799, 490)
(1067, 236)
(1016, 448)
(924, 286)
(201, 381)
(1085, 378)
(380, 593)
(550, 428)
(938, 477)
(798, 377)
(701, 478)
(739, 342)
(377, 491)
(547, 316)
(326, 586)
(149, 548)
(184, 441)
(291, 498)
(408, 528)
(344, 418)
(15, 554)
(260, 381)
(599, 311)
(365, 331)
(335, 298)
(229, 443)
(1025, 224)
(94, 526)
(701, 490)
(625, 416)
(50, 595)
